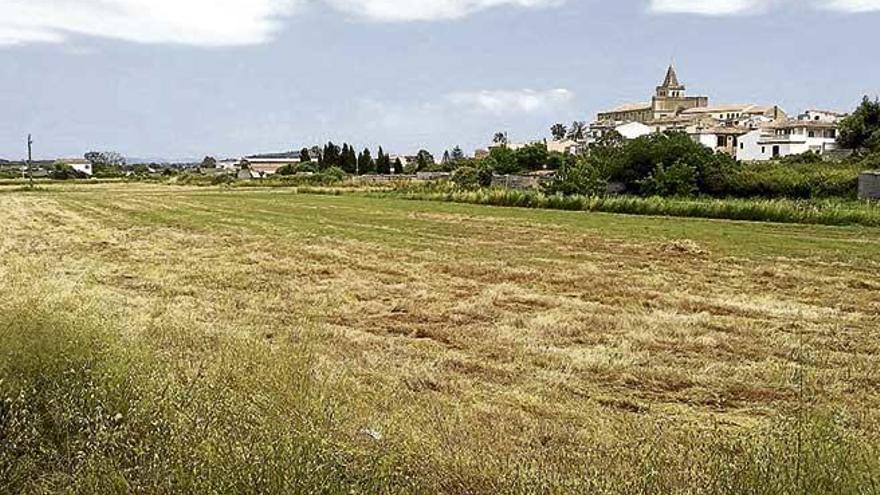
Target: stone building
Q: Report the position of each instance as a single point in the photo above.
(670, 100)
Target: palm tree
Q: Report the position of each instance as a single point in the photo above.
(578, 131)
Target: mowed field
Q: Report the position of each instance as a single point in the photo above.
(160, 339)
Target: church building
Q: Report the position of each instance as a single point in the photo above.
(669, 101)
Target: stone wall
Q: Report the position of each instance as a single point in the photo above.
(869, 185)
(516, 181)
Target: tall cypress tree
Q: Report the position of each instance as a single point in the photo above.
(331, 157)
(383, 164)
(343, 158)
(398, 166)
(366, 163)
(350, 163)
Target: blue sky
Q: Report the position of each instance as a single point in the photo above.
(187, 78)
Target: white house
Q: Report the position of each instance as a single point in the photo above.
(229, 164)
(268, 166)
(633, 130)
(80, 165)
(721, 139)
(566, 146)
(789, 138)
(822, 116)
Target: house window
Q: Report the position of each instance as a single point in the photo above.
(776, 152)
(722, 141)
(763, 149)
(812, 134)
(742, 146)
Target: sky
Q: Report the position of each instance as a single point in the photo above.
(182, 79)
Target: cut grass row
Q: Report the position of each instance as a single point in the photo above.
(822, 212)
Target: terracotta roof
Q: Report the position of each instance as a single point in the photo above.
(729, 108)
(813, 124)
(630, 107)
(734, 131)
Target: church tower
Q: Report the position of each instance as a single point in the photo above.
(671, 87)
(671, 100)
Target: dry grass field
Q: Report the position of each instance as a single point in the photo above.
(159, 339)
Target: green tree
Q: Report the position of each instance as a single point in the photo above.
(446, 158)
(457, 155)
(365, 162)
(383, 162)
(105, 163)
(331, 156)
(532, 157)
(472, 177)
(861, 130)
(635, 161)
(350, 160)
(424, 160)
(500, 138)
(398, 167)
(503, 161)
(678, 179)
(209, 162)
(305, 155)
(578, 177)
(558, 131)
(578, 131)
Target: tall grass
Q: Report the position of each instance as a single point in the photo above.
(825, 212)
(90, 406)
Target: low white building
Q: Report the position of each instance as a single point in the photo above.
(80, 165)
(629, 130)
(822, 116)
(633, 130)
(267, 166)
(565, 146)
(229, 164)
(720, 139)
(789, 138)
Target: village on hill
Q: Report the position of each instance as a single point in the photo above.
(748, 133)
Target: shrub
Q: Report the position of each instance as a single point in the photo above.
(679, 179)
(472, 177)
(332, 174)
(222, 179)
(580, 177)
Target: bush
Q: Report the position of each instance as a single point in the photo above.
(222, 179)
(580, 177)
(472, 177)
(332, 174)
(680, 179)
(63, 171)
(796, 180)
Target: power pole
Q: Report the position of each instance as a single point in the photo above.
(30, 161)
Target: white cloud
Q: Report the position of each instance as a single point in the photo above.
(854, 5)
(244, 22)
(708, 7)
(519, 101)
(204, 22)
(194, 22)
(733, 7)
(427, 10)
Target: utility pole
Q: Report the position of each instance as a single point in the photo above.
(30, 161)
